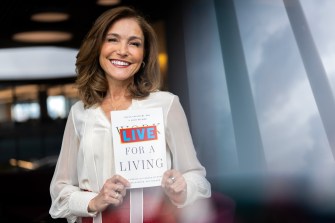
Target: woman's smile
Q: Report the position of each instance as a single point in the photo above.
(120, 63)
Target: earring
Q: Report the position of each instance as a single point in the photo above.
(143, 64)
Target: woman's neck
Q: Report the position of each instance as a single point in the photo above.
(117, 99)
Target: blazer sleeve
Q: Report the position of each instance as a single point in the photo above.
(64, 189)
(184, 157)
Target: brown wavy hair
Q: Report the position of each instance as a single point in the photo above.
(91, 80)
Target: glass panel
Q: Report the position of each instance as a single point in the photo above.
(290, 124)
(294, 139)
(319, 15)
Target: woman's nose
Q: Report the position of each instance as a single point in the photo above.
(123, 49)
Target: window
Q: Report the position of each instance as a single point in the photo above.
(56, 107)
(25, 111)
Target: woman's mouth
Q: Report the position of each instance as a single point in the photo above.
(120, 63)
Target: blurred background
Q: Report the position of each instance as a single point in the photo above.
(255, 77)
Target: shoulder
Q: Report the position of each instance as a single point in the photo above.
(77, 108)
(162, 99)
(78, 105)
(78, 116)
(78, 112)
(162, 95)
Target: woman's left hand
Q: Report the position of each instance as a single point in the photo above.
(175, 186)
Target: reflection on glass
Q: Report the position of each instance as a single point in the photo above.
(319, 15)
(298, 154)
(292, 132)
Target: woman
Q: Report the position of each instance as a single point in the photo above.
(117, 69)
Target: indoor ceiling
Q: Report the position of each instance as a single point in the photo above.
(16, 18)
(75, 18)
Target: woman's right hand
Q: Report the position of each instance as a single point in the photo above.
(112, 192)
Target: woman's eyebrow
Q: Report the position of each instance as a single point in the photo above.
(136, 38)
(118, 36)
(113, 34)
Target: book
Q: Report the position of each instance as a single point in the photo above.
(139, 146)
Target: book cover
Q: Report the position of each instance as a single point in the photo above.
(139, 146)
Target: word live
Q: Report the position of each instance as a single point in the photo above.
(138, 134)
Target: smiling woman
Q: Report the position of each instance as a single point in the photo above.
(37, 63)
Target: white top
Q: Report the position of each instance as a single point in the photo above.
(86, 157)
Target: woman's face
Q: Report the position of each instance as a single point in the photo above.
(122, 50)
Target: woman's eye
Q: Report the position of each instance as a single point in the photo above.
(111, 40)
(137, 44)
